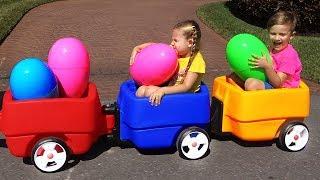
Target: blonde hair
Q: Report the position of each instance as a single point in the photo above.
(191, 30)
(281, 18)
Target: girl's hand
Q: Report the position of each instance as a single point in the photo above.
(156, 97)
(135, 50)
(259, 62)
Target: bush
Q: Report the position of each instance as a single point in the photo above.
(257, 12)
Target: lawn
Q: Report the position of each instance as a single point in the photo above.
(11, 11)
(218, 17)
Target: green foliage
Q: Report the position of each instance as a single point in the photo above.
(11, 11)
(257, 12)
(218, 17)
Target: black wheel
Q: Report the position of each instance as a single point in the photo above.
(193, 143)
(293, 136)
(49, 154)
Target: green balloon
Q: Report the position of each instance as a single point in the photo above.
(240, 49)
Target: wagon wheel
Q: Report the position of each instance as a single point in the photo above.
(294, 136)
(193, 143)
(49, 155)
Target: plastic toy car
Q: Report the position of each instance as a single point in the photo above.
(49, 130)
(181, 119)
(261, 115)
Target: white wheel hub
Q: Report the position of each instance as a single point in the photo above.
(194, 145)
(296, 137)
(50, 156)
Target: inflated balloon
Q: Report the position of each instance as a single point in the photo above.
(154, 65)
(69, 60)
(31, 78)
(240, 49)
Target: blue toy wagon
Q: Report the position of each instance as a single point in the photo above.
(182, 119)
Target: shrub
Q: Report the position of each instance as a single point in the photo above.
(257, 12)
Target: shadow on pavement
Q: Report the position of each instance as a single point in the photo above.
(71, 163)
(103, 144)
(3, 143)
(172, 150)
(1, 98)
(157, 152)
(230, 137)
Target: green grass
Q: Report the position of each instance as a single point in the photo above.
(11, 11)
(218, 17)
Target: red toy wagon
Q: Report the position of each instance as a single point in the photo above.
(51, 129)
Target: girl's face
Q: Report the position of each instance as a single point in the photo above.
(180, 43)
(280, 36)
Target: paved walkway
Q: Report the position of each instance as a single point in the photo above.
(110, 29)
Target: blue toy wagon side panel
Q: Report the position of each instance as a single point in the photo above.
(150, 126)
(153, 138)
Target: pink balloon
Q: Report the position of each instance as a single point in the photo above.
(154, 65)
(69, 60)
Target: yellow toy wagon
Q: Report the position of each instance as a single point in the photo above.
(261, 115)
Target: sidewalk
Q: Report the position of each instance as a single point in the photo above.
(110, 29)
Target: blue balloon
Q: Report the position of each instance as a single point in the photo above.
(31, 78)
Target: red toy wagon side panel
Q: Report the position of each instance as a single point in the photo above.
(56, 115)
(76, 121)
(21, 146)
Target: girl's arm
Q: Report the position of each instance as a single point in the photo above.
(188, 82)
(137, 49)
(276, 79)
